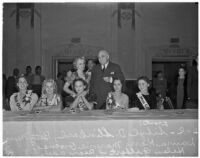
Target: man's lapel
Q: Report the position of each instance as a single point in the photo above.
(108, 67)
(99, 70)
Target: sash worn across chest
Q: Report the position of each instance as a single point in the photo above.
(143, 100)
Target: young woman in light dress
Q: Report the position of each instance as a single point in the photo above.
(50, 100)
(120, 99)
(25, 99)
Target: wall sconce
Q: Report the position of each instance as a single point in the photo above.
(125, 15)
(24, 10)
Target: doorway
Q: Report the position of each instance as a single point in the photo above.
(170, 71)
(64, 67)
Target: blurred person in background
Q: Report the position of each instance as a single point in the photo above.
(160, 84)
(181, 88)
(192, 85)
(37, 80)
(29, 75)
(11, 85)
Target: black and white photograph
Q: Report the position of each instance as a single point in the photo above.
(100, 79)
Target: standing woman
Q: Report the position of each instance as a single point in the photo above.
(24, 100)
(79, 64)
(181, 84)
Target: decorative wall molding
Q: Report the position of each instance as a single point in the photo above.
(173, 52)
(25, 10)
(126, 11)
(66, 51)
(165, 53)
(74, 50)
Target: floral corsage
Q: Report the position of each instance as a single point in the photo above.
(44, 100)
(110, 101)
(27, 97)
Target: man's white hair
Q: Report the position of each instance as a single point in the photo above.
(104, 51)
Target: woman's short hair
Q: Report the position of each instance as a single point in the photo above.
(44, 86)
(144, 78)
(76, 60)
(114, 79)
(81, 80)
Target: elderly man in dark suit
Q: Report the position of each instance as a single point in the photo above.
(102, 78)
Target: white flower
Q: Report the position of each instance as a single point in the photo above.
(110, 101)
(28, 96)
(109, 95)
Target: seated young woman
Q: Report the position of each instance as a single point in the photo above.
(120, 100)
(24, 100)
(82, 100)
(50, 100)
(143, 99)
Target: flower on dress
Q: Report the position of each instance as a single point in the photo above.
(110, 101)
(27, 97)
(44, 100)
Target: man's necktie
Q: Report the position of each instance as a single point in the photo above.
(103, 69)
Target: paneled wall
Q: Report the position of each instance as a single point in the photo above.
(161, 21)
(21, 47)
(89, 22)
(96, 25)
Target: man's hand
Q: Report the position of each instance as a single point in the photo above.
(108, 79)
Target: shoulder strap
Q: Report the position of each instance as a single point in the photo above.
(17, 102)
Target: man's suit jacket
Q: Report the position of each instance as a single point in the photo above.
(99, 86)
